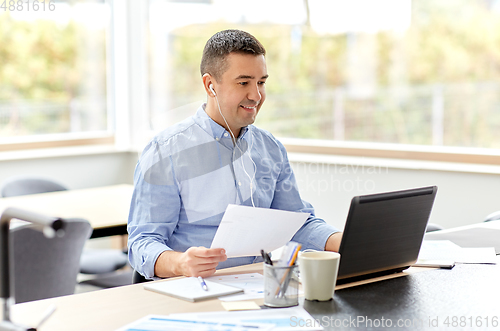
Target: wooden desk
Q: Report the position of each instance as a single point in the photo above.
(466, 294)
(106, 208)
(113, 308)
(471, 291)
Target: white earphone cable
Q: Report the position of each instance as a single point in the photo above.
(233, 138)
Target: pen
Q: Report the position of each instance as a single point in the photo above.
(286, 277)
(203, 284)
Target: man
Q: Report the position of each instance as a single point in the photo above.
(189, 173)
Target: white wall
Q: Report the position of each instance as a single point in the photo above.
(76, 171)
(462, 198)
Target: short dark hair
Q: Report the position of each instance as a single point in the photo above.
(221, 44)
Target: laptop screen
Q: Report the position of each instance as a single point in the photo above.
(383, 233)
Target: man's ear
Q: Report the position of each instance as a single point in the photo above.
(208, 84)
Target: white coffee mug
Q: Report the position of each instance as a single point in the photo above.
(318, 274)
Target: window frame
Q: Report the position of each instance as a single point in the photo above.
(127, 76)
(482, 156)
(54, 141)
(85, 138)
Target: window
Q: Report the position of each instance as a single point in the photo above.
(418, 72)
(53, 73)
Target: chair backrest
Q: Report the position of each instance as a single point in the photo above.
(16, 186)
(46, 267)
(138, 278)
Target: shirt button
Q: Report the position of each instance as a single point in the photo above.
(217, 138)
(239, 183)
(225, 134)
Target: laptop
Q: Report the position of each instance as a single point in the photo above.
(383, 233)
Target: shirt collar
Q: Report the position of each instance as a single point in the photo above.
(213, 128)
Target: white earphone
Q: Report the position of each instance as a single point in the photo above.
(211, 88)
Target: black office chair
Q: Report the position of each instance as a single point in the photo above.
(493, 216)
(99, 262)
(138, 278)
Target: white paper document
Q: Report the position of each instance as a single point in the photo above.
(251, 283)
(244, 230)
(283, 319)
(440, 252)
(483, 255)
(163, 322)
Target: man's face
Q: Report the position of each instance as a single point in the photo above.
(241, 90)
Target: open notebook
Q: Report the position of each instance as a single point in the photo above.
(189, 289)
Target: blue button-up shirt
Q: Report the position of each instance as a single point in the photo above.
(189, 173)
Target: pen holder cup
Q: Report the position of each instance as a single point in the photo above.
(281, 286)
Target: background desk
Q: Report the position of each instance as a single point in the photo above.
(106, 208)
(466, 290)
(486, 234)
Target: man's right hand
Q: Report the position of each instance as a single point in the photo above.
(196, 261)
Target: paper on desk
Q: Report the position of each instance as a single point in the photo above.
(437, 251)
(284, 319)
(244, 230)
(162, 322)
(251, 283)
(240, 305)
(483, 255)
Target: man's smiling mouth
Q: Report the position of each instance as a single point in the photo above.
(248, 107)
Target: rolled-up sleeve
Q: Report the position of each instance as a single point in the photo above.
(154, 209)
(315, 231)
